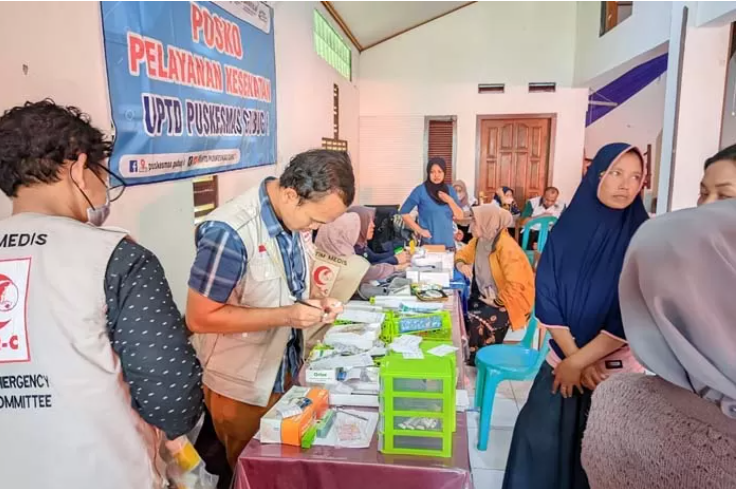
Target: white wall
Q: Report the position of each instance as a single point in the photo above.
(728, 128)
(435, 70)
(701, 106)
(646, 29)
(717, 12)
(637, 121)
(66, 62)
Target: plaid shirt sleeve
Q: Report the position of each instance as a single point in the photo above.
(220, 262)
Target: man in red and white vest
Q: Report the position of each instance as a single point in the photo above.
(95, 366)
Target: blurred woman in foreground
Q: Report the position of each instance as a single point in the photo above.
(684, 419)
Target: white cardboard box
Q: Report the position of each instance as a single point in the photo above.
(436, 277)
(441, 278)
(446, 258)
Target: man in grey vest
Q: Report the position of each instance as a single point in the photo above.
(251, 269)
(94, 358)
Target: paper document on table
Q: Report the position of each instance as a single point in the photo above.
(408, 346)
(353, 374)
(362, 306)
(360, 315)
(340, 399)
(340, 388)
(377, 351)
(393, 302)
(352, 429)
(442, 350)
(406, 343)
(362, 360)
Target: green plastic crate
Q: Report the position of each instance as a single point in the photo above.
(397, 324)
(421, 392)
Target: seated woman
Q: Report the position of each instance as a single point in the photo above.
(683, 420)
(367, 228)
(577, 299)
(437, 204)
(719, 180)
(467, 202)
(339, 238)
(504, 198)
(502, 290)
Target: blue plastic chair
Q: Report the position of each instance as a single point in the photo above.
(545, 224)
(497, 363)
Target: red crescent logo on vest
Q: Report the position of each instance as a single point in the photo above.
(8, 296)
(321, 275)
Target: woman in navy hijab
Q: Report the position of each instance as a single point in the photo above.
(577, 299)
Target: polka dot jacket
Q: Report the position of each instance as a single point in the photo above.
(148, 334)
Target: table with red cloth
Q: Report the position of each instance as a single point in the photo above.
(272, 466)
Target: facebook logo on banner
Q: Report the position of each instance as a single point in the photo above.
(133, 168)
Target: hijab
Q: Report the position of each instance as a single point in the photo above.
(577, 277)
(433, 189)
(367, 216)
(465, 199)
(505, 191)
(677, 300)
(488, 223)
(513, 208)
(339, 237)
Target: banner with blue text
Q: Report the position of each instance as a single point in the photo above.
(192, 87)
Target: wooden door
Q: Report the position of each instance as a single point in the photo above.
(513, 153)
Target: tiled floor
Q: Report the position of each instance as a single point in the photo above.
(488, 467)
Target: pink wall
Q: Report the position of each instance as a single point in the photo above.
(387, 101)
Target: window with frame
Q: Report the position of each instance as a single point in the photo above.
(330, 46)
(205, 196)
(613, 13)
(440, 134)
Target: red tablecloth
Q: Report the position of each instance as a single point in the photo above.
(283, 467)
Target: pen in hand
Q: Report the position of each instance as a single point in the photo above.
(305, 303)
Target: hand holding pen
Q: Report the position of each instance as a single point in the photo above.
(308, 313)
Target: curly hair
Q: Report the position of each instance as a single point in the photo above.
(319, 172)
(38, 137)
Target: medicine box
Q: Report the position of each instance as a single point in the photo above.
(435, 277)
(312, 403)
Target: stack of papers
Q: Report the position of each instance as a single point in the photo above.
(360, 336)
(394, 302)
(362, 314)
(348, 362)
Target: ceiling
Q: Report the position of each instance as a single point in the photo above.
(370, 23)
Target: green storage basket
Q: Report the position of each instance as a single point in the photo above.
(397, 324)
(417, 405)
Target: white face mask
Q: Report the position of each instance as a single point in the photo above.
(96, 216)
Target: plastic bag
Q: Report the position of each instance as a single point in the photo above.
(186, 468)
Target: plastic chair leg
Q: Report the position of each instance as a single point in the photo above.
(486, 409)
(479, 385)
